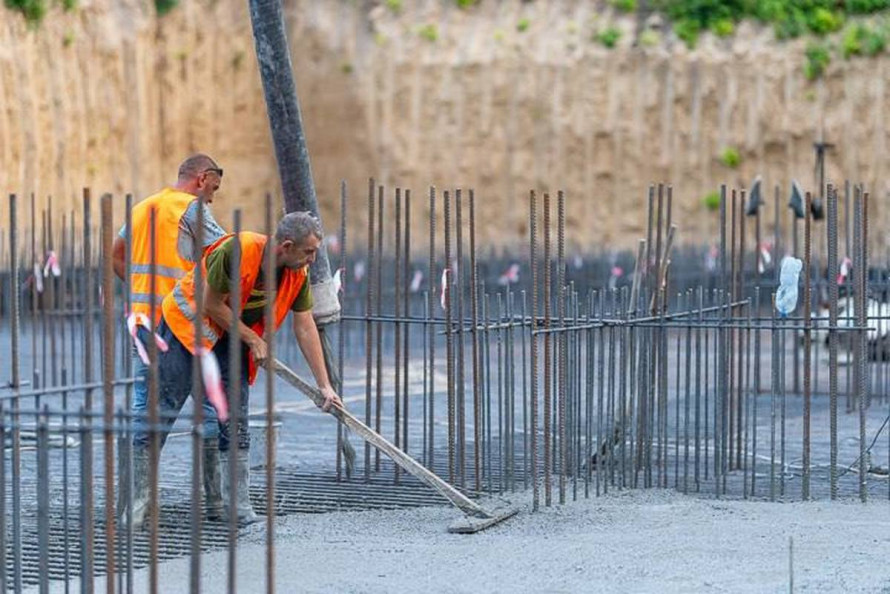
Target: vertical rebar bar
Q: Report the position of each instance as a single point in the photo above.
(832, 336)
(397, 327)
(474, 314)
(369, 325)
(341, 333)
(457, 283)
(378, 290)
(406, 359)
(449, 336)
(533, 259)
(807, 346)
(431, 306)
(548, 379)
(154, 510)
(270, 290)
(16, 385)
(234, 397)
(562, 345)
(861, 247)
(87, 527)
(108, 383)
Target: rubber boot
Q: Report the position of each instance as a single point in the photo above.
(139, 501)
(213, 502)
(246, 515)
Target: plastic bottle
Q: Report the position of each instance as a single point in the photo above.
(786, 297)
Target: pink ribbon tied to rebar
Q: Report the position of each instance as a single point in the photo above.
(134, 320)
(846, 266)
(213, 386)
(52, 265)
(443, 298)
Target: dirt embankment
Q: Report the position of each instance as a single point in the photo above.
(111, 97)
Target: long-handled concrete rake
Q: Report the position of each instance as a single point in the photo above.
(477, 518)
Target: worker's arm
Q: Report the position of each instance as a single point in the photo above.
(310, 344)
(119, 257)
(216, 308)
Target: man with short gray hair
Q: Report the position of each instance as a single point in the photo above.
(296, 243)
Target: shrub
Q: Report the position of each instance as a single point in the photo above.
(32, 10)
(609, 36)
(730, 157)
(862, 40)
(712, 201)
(395, 6)
(522, 25)
(822, 21)
(818, 57)
(688, 31)
(624, 5)
(165, 6)
(465, 3)
(723, 28)
(429, 32)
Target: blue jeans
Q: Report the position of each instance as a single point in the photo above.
(174, 386)
(221, 350)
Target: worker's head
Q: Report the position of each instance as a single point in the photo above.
(298, 239)
(200, 175)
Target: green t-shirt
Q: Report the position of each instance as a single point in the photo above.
(219, 279)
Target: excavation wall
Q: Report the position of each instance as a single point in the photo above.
(111, 97)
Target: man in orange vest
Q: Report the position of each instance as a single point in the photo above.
(297, 240)
(176, 232)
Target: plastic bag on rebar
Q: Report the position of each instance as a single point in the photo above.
(786, 297)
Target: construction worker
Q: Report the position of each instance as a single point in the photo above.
(176, 229)
(297, 240)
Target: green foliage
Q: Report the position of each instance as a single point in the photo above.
(723, 28)
(522, 25)
(165, 6)
(688, 31)
(866, 6)
(429, 32)
(346, 67)
(712, 201)
(823, 21)
(730, 157)
(32, 10)
(68, 39)
(818, 57)
(394, 5)
(465, 3)
(789, 18)
(624, 5)
(863, 40)
(609, 36)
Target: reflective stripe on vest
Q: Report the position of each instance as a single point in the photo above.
(168, 271)
(188, 312)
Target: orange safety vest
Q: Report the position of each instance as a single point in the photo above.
(179, 305)
(170, 206)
